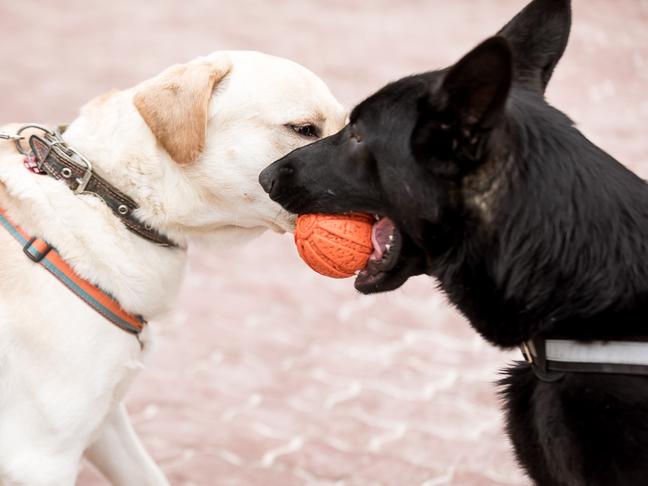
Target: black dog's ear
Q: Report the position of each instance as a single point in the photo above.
(476, 88)
(457, 115)
(538, 35)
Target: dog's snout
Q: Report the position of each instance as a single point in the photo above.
(271, 178)
(266, 179)
(286, 171)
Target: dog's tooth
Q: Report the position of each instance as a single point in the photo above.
(387, 247)
(391, 237)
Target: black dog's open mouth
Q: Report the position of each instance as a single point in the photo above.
(387, 243)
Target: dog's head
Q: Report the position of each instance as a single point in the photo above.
(188, 145)
(426, 149)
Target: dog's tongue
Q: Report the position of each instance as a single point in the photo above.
(382, 237)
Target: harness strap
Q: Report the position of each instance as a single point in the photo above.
(39, 251)
(552, 358)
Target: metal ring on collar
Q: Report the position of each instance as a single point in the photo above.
(18, 143)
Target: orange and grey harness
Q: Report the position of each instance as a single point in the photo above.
(39, 251)
(50, 155)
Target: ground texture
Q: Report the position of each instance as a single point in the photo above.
(267, 374)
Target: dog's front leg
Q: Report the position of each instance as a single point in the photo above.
(120, 456)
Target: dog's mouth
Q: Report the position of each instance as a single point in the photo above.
(387, 245)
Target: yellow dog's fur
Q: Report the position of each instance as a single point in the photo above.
(187, 146)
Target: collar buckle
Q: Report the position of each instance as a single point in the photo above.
(73, 157)
(55, 142)
(36, 255)
(534, 352)
(525, 348)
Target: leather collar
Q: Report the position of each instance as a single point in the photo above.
(54, 159)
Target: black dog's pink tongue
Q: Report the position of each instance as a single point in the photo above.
(382, 237)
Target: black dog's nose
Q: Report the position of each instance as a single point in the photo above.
(266, 179)
(271, 177)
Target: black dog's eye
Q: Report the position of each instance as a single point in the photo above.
(307, 130)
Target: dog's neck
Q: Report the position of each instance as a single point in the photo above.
(562, 252)
(179, 201)
(142, 276)
(113, 136)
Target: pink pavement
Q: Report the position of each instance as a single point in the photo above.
(266, 373)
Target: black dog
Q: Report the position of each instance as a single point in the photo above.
(532, 231)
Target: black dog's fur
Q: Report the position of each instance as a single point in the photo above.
(530, 229)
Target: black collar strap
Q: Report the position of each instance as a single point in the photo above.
(55, 159)
(552, 358)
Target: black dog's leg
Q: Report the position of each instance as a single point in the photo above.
(587, 429)
(518, 392)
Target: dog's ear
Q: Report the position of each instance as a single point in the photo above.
(175, 105)
(538, 36)
(457, 115)
(477, 87)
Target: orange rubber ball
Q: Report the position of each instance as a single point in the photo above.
(336, 246)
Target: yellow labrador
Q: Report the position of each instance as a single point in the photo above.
(187, 146)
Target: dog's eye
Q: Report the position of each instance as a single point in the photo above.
(307, 130)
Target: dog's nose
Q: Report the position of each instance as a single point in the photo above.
(266, 179)
(271, 177)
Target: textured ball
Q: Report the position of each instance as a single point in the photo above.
(334, 245)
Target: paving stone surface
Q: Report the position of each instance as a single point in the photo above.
(267, 374)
